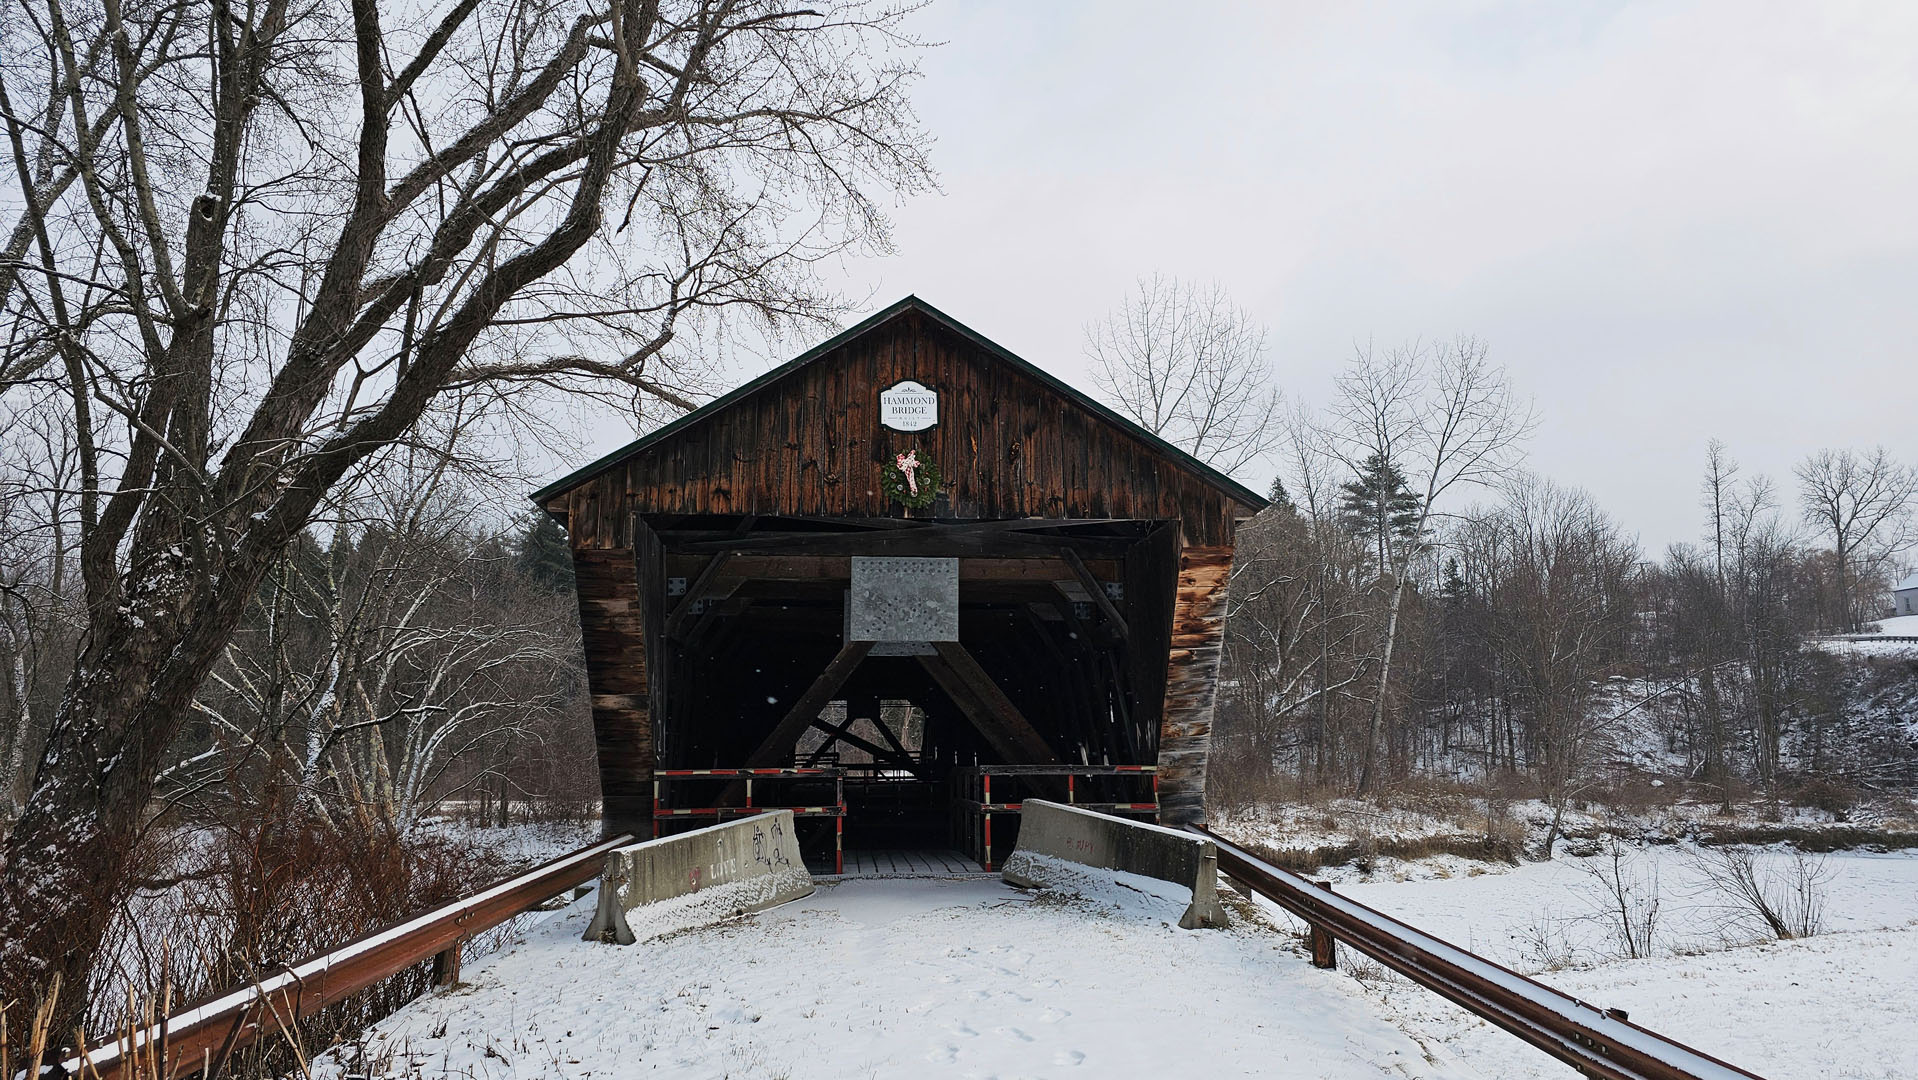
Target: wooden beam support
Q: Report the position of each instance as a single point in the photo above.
(1097, 588)
(1005, 728)
(833, 732)
(988, 538)
(696, 591)
(741, 568)
(879, 721)
(843, 733)
(804, 711)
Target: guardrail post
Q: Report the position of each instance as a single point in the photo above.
(1324, 949)
(446, 966)
(985, 815)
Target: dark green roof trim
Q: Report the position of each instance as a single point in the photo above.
(1217, 479)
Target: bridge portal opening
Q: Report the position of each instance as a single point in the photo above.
(919, 679)
(899, 585)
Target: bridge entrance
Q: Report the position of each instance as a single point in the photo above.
(904, 656)
(910, 558)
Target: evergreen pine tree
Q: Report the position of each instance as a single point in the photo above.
(1379, 507)
(1280, 497)
(543, 555)
(1454, 589)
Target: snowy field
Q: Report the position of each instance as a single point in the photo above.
(1901, 626)
(1841, 1004)
(523, 843)
(906, 978)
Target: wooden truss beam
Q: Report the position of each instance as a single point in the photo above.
(776, 746)
(1098, 590)
(696, 592)
(971, 539)
(1005, 728)
(839, 567)
(838, 733)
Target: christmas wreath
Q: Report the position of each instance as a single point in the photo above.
(911, 479)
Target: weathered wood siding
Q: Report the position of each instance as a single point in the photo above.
(616, 672)
(811, 444)
(1192, 681)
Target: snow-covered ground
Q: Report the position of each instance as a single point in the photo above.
(1841, 1004)
(971, 978)
(908, 978)
(522, 843)
(1879, 639)
(1899, 625)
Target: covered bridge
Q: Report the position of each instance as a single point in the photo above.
(916, 563)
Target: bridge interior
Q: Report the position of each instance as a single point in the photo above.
(1058, 660)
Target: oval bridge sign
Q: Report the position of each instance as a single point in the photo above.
(908, 406)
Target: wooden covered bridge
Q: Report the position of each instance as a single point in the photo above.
(916, 565)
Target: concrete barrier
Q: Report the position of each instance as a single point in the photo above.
(728, 869)
(1051, 832)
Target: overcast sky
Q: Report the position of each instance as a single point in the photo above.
(1669, 220)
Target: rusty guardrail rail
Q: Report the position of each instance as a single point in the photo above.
(204, 1035)
(1597, 1042)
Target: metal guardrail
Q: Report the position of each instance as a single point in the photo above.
(1597, 1042)
(204, 1035)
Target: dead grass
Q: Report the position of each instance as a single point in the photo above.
(1365, 850)
(1816, 839)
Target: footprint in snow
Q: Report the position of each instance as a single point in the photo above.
(1013, 1033)
(1068, 1057)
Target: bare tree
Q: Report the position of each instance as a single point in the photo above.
(1782, 897)
(377, 664)
(39, 614)
(1444, 418)
(1863, 502)
(1717, 495)
(1187, 364)
(1561, 611)
(254, 245)
(1624, 898)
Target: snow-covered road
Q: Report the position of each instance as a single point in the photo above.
(941, 978)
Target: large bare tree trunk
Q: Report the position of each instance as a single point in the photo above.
(226, 354)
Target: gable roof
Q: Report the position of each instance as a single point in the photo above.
(1909, 583)
(1229, 486)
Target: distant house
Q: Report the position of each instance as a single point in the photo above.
(1904, 597)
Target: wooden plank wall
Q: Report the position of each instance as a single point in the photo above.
(1192, 681)
(616, 673)
(811, 444)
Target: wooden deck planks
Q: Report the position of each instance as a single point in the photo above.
(902, 863)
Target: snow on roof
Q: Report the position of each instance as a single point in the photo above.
(1909, 583)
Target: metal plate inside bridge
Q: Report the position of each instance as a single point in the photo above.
(896, 599)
